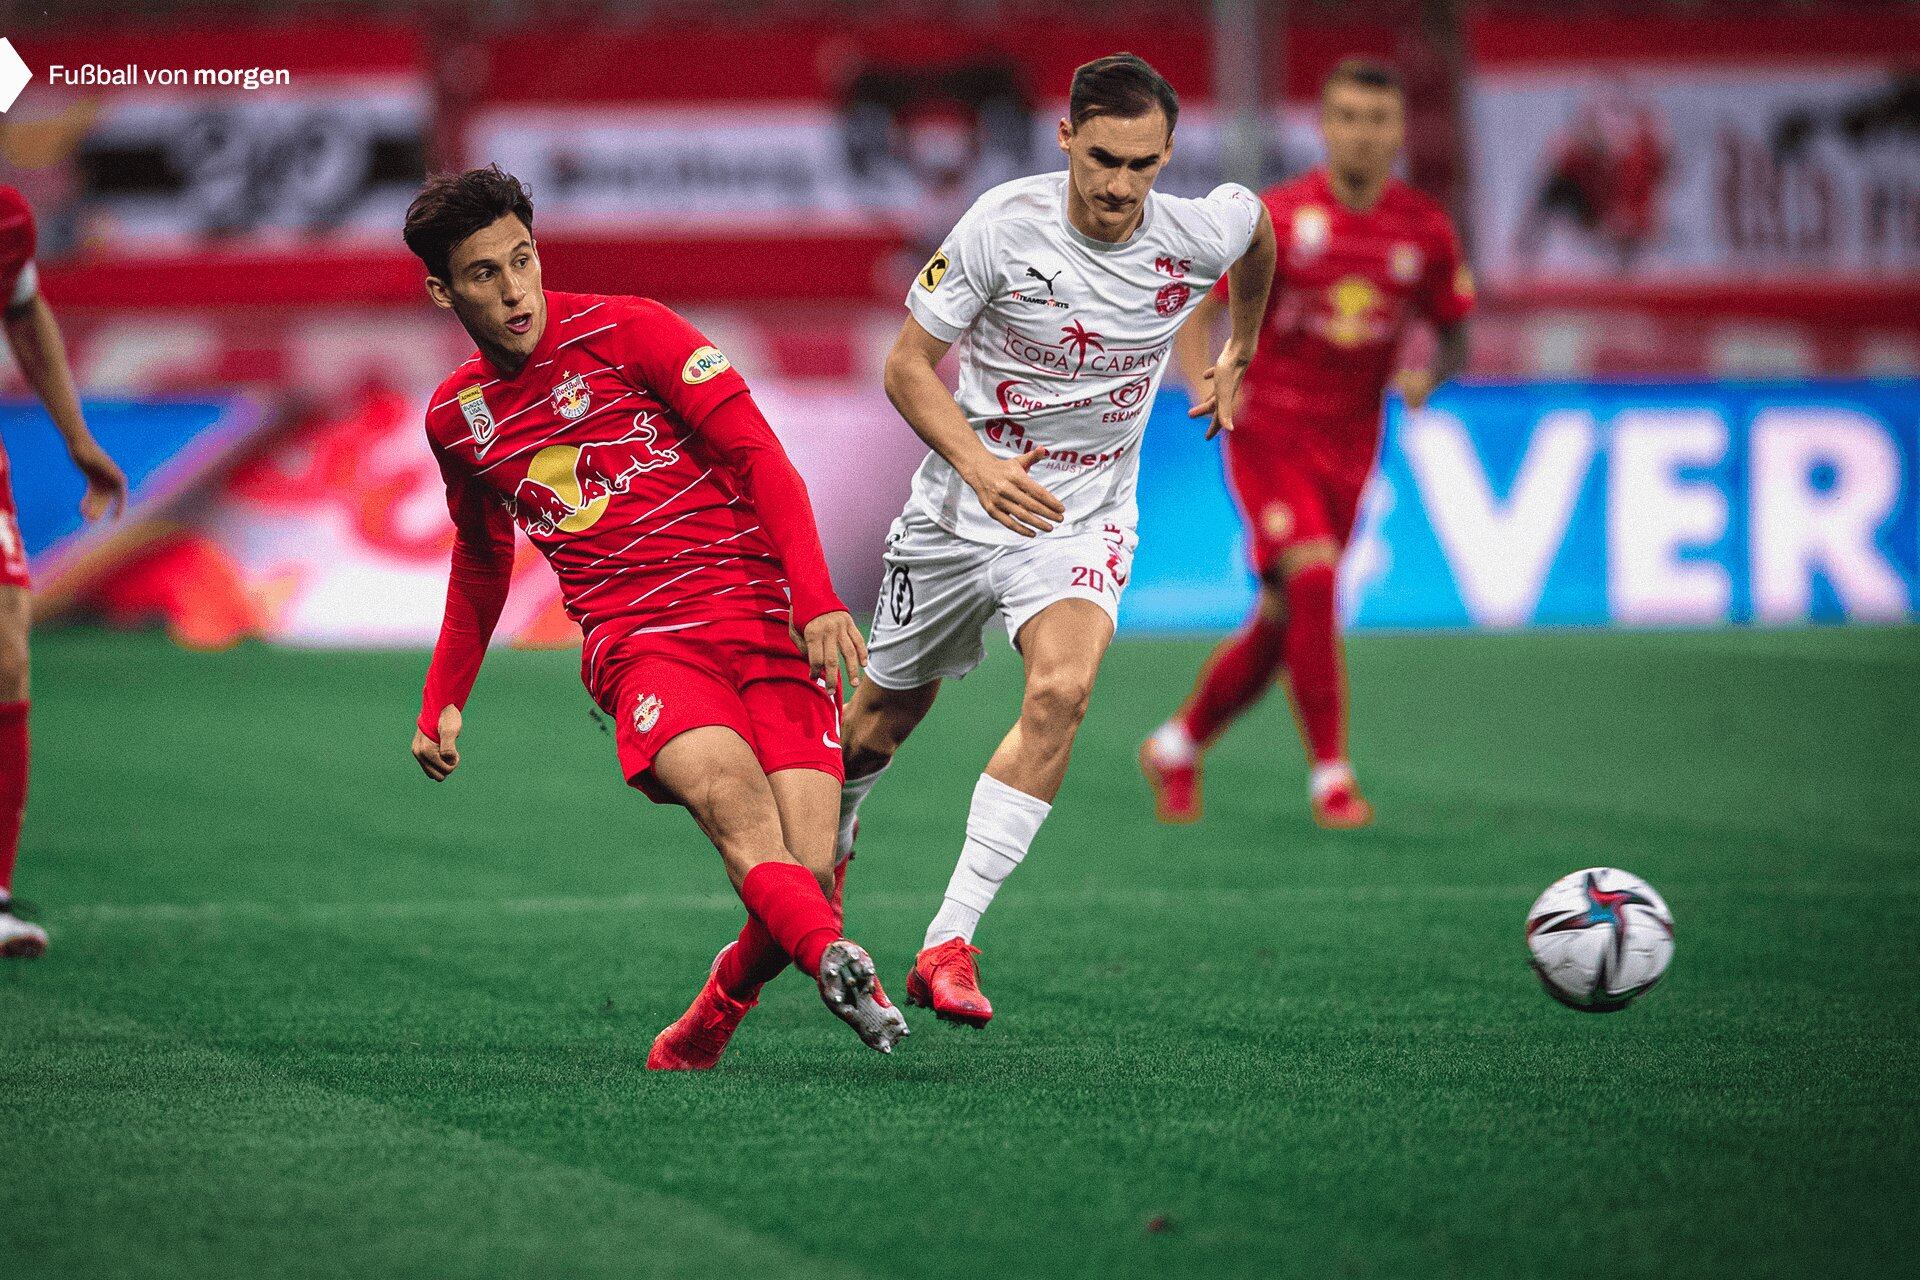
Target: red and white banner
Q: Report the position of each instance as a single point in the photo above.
(1648, 155)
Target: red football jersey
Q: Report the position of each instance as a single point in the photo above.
(1344, 287)
(588, 449)
(17, 237)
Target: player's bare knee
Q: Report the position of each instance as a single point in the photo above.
(13, 646)
(877, 722)
(1302, 556)
(1057, 699)
(735, 808)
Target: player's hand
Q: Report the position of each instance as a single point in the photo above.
(833, 640)
(1015, 498)
(1416, 387)
(106, 484)
(1225, 391)
(439, 758)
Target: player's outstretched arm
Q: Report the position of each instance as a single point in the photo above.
(34, 336)
(478, 578)
(738, 434)
(1248, 281)
(1009, 494)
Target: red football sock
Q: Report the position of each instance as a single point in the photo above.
(1236, 676)
(754, 960)
(13, 785)
(1313, 660)
(788, 901)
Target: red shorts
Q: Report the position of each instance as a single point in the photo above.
(1287, 498)
(748, 677)
(13, 551)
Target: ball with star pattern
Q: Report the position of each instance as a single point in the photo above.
(1599, 938)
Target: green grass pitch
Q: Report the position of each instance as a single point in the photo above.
(308, 1014)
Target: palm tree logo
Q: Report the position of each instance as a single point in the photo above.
(1080, 339)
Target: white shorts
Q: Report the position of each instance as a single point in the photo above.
(940, 590)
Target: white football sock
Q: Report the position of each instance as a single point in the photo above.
(1325, 777)
(1000, 825)
(852, 793)
(1173, 745)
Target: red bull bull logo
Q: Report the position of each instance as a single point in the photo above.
(567, 487)
(540, 508)
(609, 467)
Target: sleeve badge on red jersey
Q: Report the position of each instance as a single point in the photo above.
(1311, 230)
(473, 407)
(707, 362)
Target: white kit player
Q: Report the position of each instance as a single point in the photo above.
(1064, 292)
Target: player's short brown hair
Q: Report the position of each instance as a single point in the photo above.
(1367, 73)
(1120, 85)
(452, 206)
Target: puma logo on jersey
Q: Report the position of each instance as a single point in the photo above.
(1046, 280)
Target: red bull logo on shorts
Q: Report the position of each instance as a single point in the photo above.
(646, 712)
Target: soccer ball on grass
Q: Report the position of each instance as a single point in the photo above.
(1599, 938)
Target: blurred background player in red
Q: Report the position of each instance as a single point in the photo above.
(631, 453)
(1360, 253)
(34, 338)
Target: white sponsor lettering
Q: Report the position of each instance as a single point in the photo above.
(1823, 482)
(1654, 516)
(1500, 551)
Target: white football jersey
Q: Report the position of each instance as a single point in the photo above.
(1063, 339)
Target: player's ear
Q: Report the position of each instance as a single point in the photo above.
(437, 291)
(1066, 132)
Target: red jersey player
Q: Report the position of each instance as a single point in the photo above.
(629, 450)
(1360, 254)
(34, 338)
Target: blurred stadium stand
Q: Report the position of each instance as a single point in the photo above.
(1650, 190)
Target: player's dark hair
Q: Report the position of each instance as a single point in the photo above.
(1120, 85)
(452, 206)
(1367, 73)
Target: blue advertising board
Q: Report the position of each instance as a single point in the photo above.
(1581, 504)
(162, 444)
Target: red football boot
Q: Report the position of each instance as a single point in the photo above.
(696, 1039)
(1339, 806)
(945, 980)
(1175, 787)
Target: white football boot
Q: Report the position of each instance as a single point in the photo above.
(19, 939)
(851, 989)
